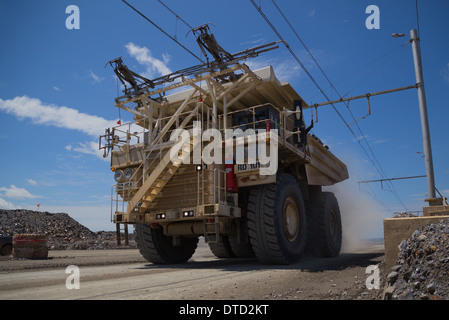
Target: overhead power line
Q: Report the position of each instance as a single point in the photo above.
(175, 14)
(384, 58)
(162, 30)
(372, 158)
(380, 170)
(400, 178)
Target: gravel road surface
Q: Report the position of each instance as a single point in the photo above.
(124, 274)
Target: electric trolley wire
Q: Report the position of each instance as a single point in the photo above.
(387, 56)
(378, 167)
(392, 189)
(395, 51)
(178, 18)
(162, 30)
(176, 15)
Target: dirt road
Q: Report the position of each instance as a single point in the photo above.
(124, 274)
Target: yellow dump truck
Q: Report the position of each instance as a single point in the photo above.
(222, 152)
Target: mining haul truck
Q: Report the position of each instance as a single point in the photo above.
(222, 152)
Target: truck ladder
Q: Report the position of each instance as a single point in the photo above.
(211, 230)
(163, 172)
(154, 184)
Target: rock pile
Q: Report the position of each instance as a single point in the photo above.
(63, 232)
(422, 270)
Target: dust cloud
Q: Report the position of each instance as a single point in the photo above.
(362, 219)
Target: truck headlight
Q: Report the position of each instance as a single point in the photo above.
(128, 174)
(188, 213)
(119, 176)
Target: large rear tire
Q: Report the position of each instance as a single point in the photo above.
(159, 249)
(6, 250)
(277, 221)
(239, 240)
(325, 234)
(221, 249)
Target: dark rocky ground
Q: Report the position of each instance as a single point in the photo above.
(63, 232)
(422, 269)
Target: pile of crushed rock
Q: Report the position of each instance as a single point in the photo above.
(422, 270)
(63, 232)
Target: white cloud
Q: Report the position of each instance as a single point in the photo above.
(32, 182)
(94, 77)
(258, 38)
(6, 205)
(61, 117)
(166, 57)
(52, 115)
(312, 13)
(16, 193)
(88, 148)
(56, 88)
(371, 139)
(379, 141)
(154, 66)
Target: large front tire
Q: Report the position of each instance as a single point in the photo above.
(159, 249)
(277, 221)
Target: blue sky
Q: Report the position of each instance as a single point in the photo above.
(56, 96)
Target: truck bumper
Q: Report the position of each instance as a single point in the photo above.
(221, 209)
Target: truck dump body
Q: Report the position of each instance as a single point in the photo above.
(324, 169)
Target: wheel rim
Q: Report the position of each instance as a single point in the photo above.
(333, 225)
(290, 219)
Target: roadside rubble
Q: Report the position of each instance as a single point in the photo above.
(63, 232)
(422, 268)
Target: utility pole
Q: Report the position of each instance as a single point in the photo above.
(424, 118)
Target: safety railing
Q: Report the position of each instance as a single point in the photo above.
(256, 118)
(116, 202)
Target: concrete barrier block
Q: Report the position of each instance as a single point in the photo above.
(398, 229)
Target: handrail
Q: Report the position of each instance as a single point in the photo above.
(218, 187)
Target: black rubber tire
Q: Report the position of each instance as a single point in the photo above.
(157, 248)
(325, 230)
(239, 241)
(6, 250)
(221, 249)
(271, 238)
